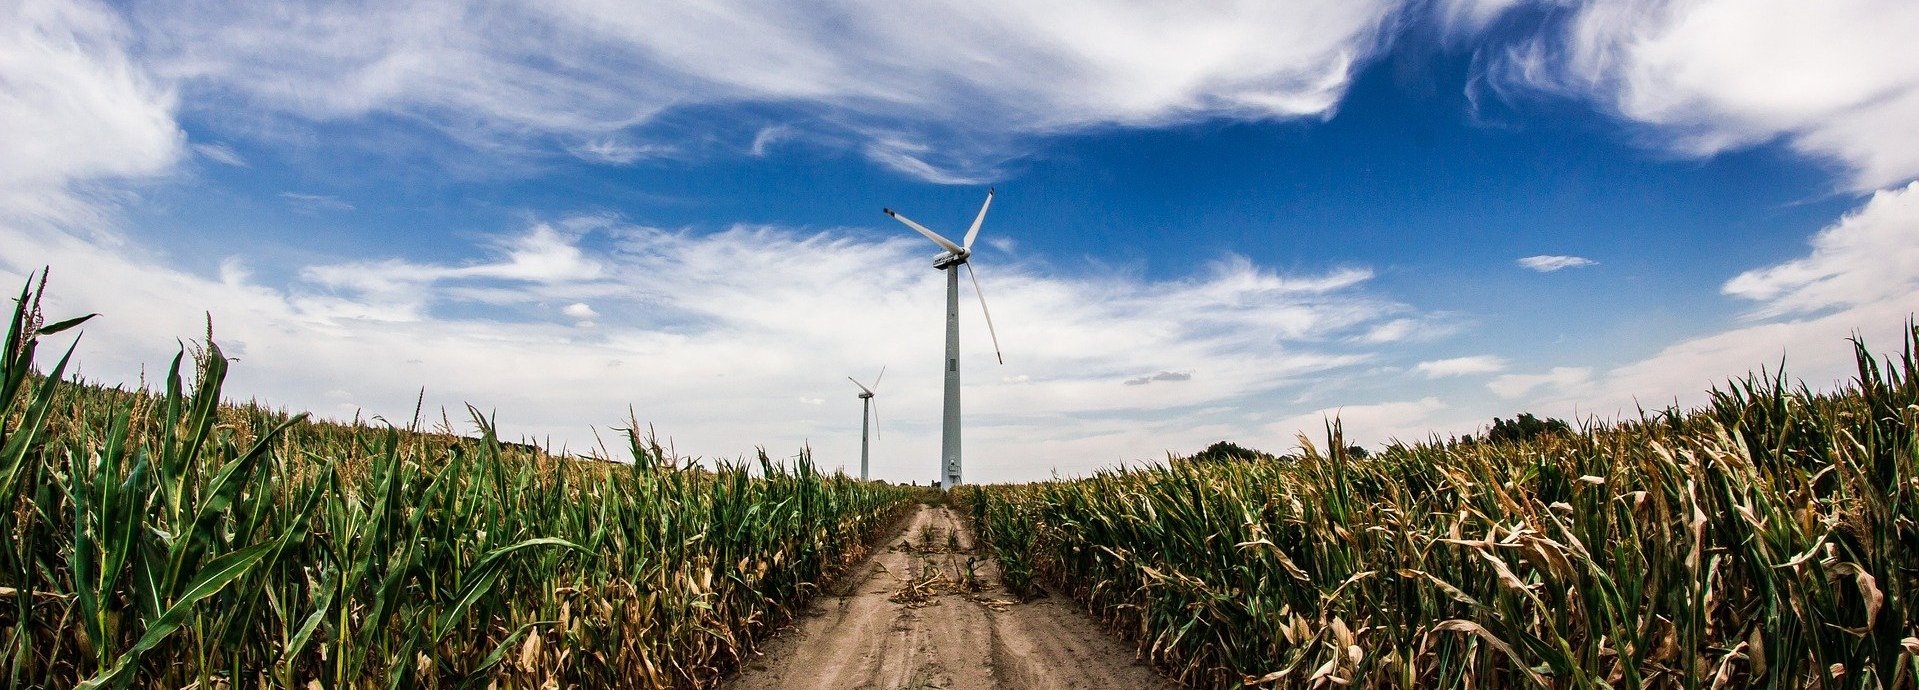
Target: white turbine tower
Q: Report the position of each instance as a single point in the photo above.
(950, 261)
(868, 409)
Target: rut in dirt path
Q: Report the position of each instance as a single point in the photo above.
(908, 620)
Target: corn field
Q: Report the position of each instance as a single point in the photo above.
(167, 540)
(1767, 540)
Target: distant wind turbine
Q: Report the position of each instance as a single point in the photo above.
(868, 409)
(956, 255)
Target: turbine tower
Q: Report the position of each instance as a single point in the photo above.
(950, 261)
(868, 409)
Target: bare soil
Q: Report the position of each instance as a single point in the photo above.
(911, 617)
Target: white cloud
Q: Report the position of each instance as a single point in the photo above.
(221, 153)
(1405, 420)
(1837, 80)
(1466, 17)
(618, 152)
(1424, 328)
(768, 137)
(315, 203)
(1870, 255)
(912, 158)
(717, 363)
(1547, 263)
(580, 310)
(1161, 376)
(74, 107)
(1558, 381)
(894, 74)
(1461, 366)
(544, 256)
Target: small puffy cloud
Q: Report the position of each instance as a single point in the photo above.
(1460, 366)
(1161, 376)
(580, 310)
(220, 153)
(1547, 263)
(1391, 331)
(1558, 379)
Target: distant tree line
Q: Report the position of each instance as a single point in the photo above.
(1524, 427)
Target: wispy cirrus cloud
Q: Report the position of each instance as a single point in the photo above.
(222, 154)
(1838, 81)
(75, 106)
(618, 152)
(1547, 263)
(315, 203)
(589, 69)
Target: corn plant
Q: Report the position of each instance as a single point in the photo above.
(167, 539)
(1767, 540)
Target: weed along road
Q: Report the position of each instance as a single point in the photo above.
(911, 617)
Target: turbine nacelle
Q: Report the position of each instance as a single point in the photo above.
(946, 260)
(956, 252)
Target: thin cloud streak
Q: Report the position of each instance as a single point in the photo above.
(1547, 263)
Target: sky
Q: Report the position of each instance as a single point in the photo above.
(1229, 221)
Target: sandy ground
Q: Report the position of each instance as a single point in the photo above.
(907, 620)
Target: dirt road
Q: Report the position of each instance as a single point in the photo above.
(908, 619)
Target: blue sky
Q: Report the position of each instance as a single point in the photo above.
(1218, 223)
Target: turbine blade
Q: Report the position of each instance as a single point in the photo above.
(876, 420)
(876, 382)
(944, 243)
(981, 218)
(856, 382)
(984, 310)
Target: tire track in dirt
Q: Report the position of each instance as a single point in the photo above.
(907, 621)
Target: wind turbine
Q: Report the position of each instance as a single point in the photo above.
(950, 261)
(868, 408)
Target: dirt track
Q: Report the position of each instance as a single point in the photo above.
(906, 620)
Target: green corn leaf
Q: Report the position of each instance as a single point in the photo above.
(480, 578)
(53, 328)
(219, 573)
